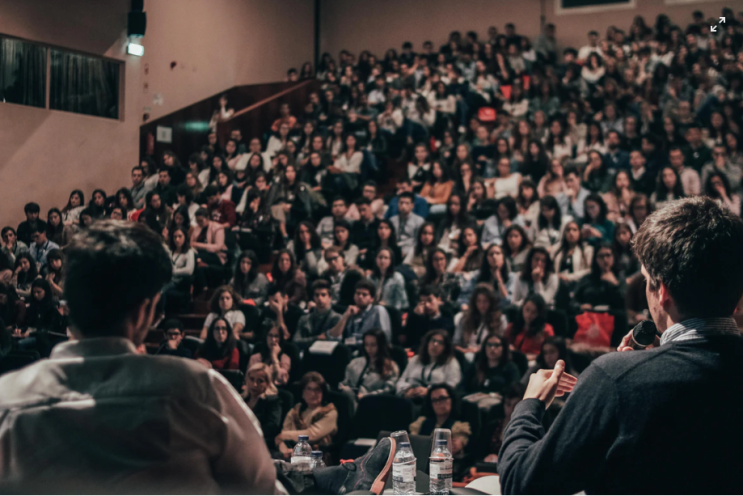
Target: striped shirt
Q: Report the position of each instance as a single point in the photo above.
(699, 328)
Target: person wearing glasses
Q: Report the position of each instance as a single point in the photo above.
(173, 344)
(722, 164)
(434, 364)
(441, 410)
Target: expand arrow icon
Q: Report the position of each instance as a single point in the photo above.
(722, 20)
(713, 29)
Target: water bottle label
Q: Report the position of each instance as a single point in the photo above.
(403, 473)
(441, 470)
(301, 460)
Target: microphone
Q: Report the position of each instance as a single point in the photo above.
(643, 335)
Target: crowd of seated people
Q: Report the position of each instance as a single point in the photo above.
(473, 205)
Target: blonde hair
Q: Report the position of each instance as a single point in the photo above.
(268, 371)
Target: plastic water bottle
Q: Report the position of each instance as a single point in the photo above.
(403, 470)
(316, 460)
(302, 455)
(440, 470)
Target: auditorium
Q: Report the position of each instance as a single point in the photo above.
(211, 208)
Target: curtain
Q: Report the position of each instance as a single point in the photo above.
(84, 85)
(22, 73)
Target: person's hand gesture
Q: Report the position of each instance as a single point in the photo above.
(537, 274)
(609, 277)
(546, 385)
(420, 308)
(352, 310)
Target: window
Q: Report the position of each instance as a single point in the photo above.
(22, 73)
(84, 84)
(75, 82)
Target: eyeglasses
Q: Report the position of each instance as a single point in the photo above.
(604, 255)
(439, 342)
(221, 328)
(494, 345)
(440, 399)
(330, 259)
(173, 334)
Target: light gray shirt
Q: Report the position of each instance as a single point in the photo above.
(416, 374)
(97, 413)
(406, 230)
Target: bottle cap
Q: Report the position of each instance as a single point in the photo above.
(304, 438)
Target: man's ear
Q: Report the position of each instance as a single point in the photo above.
(664, 297)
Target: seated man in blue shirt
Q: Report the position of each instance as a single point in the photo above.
(361, 317)
(420, 206)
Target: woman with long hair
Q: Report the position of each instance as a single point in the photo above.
(538, 276)
(314, 416)
(516, 247)
(156, 214)
(97, 204)
(24, 274)
(261, 396)
(307, 248)
(390, 284)
(573, 256)
(506, 214)
(125, 201)
(626, 261)
(385, 238)
(596, 227)
(530, 328)
(536, 162)
(286, 275)
(437, 275)
(374, 372)
(717, 187)
(482, 318)
(248, 282)
(434, 364)
(550, 224)
(639, 210)
(426, 242)
(224, 305)
(493, 371)
(454, 220)
(342, 240)
(55, 272)
(75, 205)
(219, 350)
(596, 175)
(271, 352)
(469, 250)
(527, 202)
(495, 272)
(12, 308)
(55, 227)
(619, 196)
(602, 287)
(553, 182)
(465, 178)
(437, 187)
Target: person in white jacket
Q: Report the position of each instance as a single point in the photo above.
(537, 276)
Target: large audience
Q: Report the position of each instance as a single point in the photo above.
(456, 218)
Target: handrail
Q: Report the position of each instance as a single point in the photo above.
(269, 99)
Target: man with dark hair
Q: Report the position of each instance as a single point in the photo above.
(207, 239)
(572, 198)
(361, 317)
(99, 415)
(635, 419)
(427, 316)
(278, 309)
(28, 227)
(173, 345)
(139, 189)
(592, 47)
(326, 226)
(406, 223)
(420, 205)
(165, 188)
(321, 319)
(41, 247)
(697, 153)
(642, 180)
(690, 181)
(364, 230)
(615, 159)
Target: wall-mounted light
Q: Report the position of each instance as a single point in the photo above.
(135, 49)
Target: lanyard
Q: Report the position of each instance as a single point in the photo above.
(428, 380)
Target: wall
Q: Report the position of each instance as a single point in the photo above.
(217, 44)
(358, 24)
